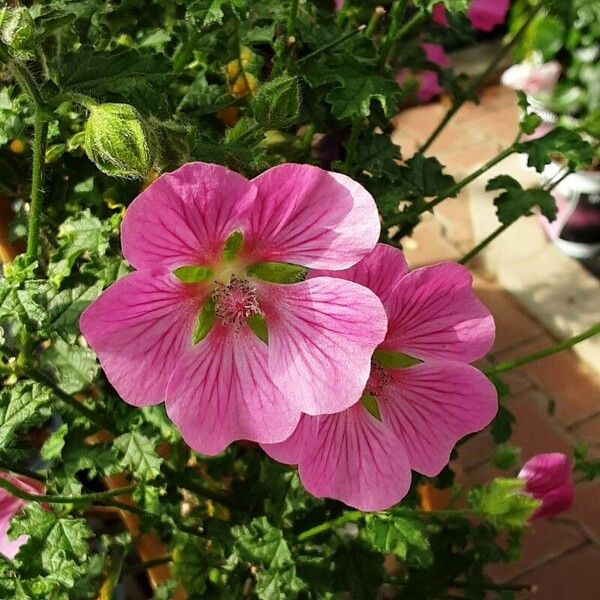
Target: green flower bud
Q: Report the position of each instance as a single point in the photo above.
(118, 141)
(17, 31)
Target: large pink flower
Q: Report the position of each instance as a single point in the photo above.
(188, 326)
(548, 479)
(11, 506)
(421, 398)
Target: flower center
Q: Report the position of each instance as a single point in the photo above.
(236, 301)
(378, 379)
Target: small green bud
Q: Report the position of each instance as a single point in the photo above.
(17, 31)
(277, 103)
(118, 141)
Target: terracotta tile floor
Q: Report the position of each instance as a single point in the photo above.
(556, 400)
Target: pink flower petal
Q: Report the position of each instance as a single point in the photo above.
(139, 327)
(435, 54)
(437, 315)
(322, 333)
(221, 391)
(431, 406)
(545, 472)
(10, 506)
(429, 86)
(485, 15)
(292, 450)
(355, 459)
(184, 217)
(379, 271)
(311, 217)
(438, 15)
(556, 501)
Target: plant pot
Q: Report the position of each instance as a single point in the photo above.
(576, 229)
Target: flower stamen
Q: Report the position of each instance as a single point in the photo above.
(235, 302)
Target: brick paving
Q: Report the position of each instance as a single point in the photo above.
(556, 401)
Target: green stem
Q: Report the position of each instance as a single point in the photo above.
(347, 517)
(99, 420)
(558, 347)
(57, 499)
(478, 82)
(40, 137)
(27, 83)
(552, 184)
(453, 190)
(352, 145)
(490, 238)
(357, 515)
(396, 17)
(148, 564)
(291, 20)
(330, 45)
(413, 23)
(377, 14)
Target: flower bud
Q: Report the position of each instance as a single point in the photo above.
(17, 31)
(118, 141)
(547, 478)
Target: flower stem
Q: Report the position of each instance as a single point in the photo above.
(357, 515)
(413, 23)
(453, 190)
(148, 564)
(331, 44)
(478, 82)
(558, 347)
(291, 20)
(378, 12)
(488, 240)
(40, 136)
(57, 499)
(352, 145)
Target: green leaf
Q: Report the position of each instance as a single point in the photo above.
(233, 246)
(504, 503)
(25, 302)
(78, 235)
(277, 272)
(210, 12)
(66, 307)
(404, 537)
(53, 446)
(123, 76)
(560, 143)
(138, 455)
(74, 367)
(204, 321)
(192, 273)
(379, 156)
(515, 202)
(21, 406)
(422, 177)
(276, 105)
(371, 405)
(353, 98)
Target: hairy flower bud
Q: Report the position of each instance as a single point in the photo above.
(17, 31)
(118, 141)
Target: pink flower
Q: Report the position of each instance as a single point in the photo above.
(435, 54)
(487, 14)
(429, 86)
(339, 4)
(548, 479)
(438, 15)
(231, 384)
(424, 405)
(531, 78)
(10, 506)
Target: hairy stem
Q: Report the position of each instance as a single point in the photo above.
(57, 499)
(352, 145)
(291, 20)
(554, 349)
(478, 82)
(331, 44)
